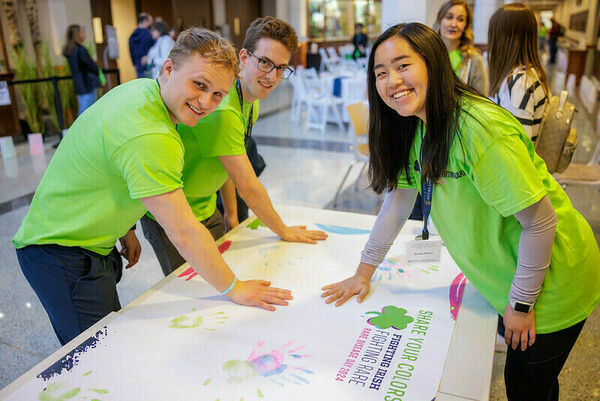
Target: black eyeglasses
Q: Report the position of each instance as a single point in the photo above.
(266, 65)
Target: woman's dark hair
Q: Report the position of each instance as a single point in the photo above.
(391, 135)
(72, 39)
(160, 27)
(513, 42)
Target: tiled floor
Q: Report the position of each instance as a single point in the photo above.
(303, 169)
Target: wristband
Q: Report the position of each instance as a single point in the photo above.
(226, 291)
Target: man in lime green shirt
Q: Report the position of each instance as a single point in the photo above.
(121, 158)
(211, 158)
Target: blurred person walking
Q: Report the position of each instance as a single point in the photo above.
(140, 42)
(83, 69)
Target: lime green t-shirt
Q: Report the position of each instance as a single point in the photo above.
(492, 173)
(123, 148)
(221, 133)
(456, 60)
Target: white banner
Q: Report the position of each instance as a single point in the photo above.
(188, 342)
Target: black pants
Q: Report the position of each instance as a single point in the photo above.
(77, 287)
(168, 256)
(532, 375)
(553, 47)
(242, 208)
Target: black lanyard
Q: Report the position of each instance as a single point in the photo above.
(238, 86)
(164, 102)
(426, 195)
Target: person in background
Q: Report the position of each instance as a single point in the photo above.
(121, 159)
(159, 52)
(140, 42)
(542, 33)
(173, 33)
(359, 40)
(506, 222)
(518, 81)
(83, 69)
(215, 155)
(553, 35)
(454, 23)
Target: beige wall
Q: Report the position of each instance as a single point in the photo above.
(569, 7)
(125, 22)
(55, 16)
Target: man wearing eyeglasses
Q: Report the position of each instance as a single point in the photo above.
(215, 155)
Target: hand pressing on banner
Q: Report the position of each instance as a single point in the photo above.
(519, 327)
(301, 234)
(259, 293)
(130, 248)
(346, 289)
(249, 188)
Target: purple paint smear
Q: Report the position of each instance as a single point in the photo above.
(71, 360)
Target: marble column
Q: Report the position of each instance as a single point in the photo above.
(483, 10)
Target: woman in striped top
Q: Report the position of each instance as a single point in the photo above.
(517, 80)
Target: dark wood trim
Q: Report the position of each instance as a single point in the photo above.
(3, 52)
(9, 115)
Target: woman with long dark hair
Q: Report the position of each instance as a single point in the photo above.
(506, 222)
(83, 69)
(518, 81)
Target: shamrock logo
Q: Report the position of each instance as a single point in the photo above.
(390, 316)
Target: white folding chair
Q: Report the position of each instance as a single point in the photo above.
(314, 96)
(298, 97)
(310, 77)
(362, 63)
(333, 54)
(319, 109)
(306, 84)
(359, 117)
(346, 51)
(327, 63)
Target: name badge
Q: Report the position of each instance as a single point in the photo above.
(423, 251)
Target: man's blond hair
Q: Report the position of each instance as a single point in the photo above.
(207, 44)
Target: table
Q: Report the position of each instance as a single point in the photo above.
(148, 361)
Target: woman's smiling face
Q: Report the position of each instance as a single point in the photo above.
(401, 77)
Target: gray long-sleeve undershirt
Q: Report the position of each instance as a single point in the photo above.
(535, 243)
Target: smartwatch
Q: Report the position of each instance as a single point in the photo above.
(521, 306)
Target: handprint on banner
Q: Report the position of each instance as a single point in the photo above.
(196, 319)
(274, 365)
(61, 391)
(272, 253)
(396, 266)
